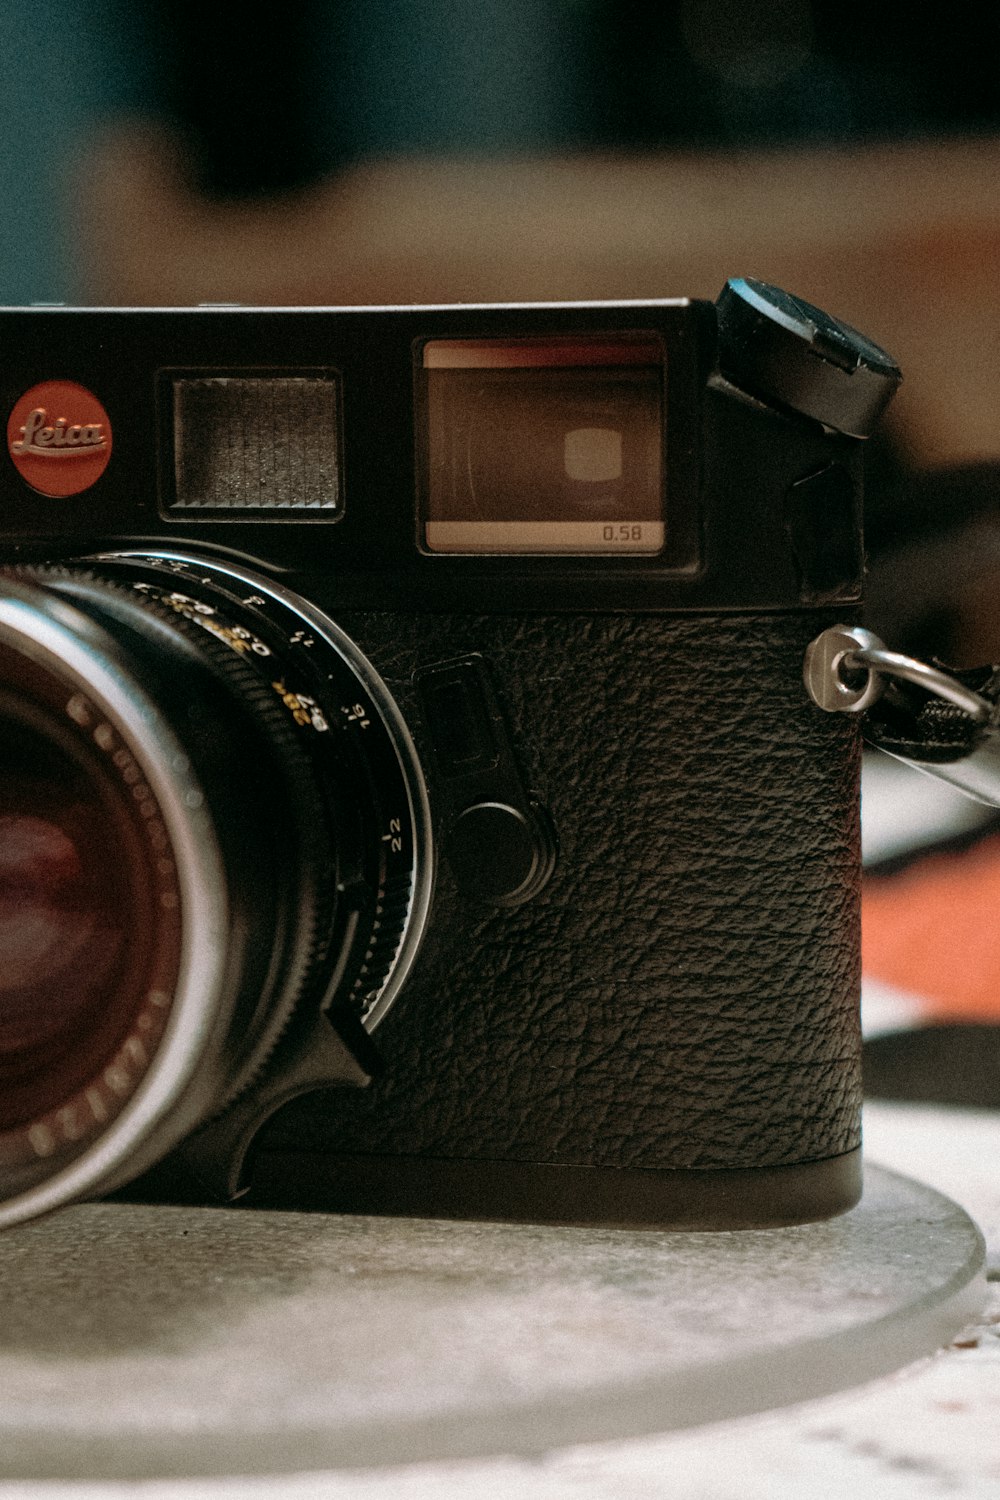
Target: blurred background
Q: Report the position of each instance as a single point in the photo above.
(434, 150)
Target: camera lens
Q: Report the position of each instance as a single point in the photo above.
(212, 826)
(88, 920)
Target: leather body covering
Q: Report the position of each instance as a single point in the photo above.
(683, 993)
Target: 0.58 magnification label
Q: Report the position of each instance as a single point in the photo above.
(544, 445)
(59, 438)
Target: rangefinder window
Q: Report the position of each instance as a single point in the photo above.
(251, 445)
(544, 446)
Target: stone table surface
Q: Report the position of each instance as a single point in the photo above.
(929, 1428)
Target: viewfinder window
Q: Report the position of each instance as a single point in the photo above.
(544, 445)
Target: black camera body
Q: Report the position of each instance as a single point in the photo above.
(591, 942)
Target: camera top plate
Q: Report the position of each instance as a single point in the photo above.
(342, 429)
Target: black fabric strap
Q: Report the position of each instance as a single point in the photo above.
(908, 722)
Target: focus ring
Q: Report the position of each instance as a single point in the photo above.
(227, 719)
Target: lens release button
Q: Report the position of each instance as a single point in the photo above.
(499, 854)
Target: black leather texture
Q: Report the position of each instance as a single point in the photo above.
(684, 991)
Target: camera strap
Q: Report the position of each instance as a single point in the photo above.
(942, 722)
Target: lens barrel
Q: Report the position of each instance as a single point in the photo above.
(197, 776)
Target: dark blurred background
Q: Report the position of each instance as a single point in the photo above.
(273, 99)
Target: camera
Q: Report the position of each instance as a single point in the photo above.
(409, 800)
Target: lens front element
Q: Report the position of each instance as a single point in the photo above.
(89, 917)
(104, 853)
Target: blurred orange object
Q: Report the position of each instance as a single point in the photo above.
(933, 930)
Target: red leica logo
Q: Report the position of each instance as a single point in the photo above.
(55, 422)
(58, 440)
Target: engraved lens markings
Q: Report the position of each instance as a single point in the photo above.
(358, 718)
(303, 708)
(105, 1097)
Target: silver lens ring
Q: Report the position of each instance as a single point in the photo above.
(56, 643)
(257, 587)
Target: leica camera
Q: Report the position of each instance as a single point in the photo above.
(409, 800)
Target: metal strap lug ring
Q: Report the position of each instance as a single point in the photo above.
(844, 649)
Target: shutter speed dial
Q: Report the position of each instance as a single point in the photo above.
(781, 348)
